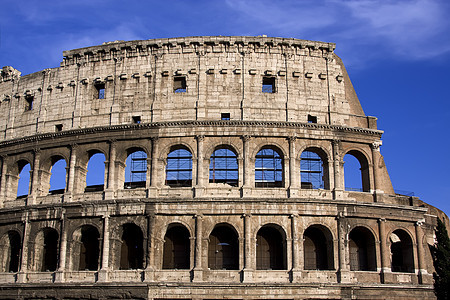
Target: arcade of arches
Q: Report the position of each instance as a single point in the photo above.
(85, 169)
(135, 246)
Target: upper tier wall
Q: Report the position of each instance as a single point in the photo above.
(222, 75)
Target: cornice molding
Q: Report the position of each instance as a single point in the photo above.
(157, 125)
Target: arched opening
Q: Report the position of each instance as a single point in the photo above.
(135, 169)
(362, 250)
(131, 252)
(314, 169)
(223, 167)
(95, 178)
(10, 251)
(402, 258)
(223, 249)
(23, 185)
(269, 168)
(176, 248)
(270, 249)
(58, 176)
(46, 250)
(179, 168)
(86, 248)
(318, 248)
(356, 172)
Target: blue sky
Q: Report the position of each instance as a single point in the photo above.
(396, 52)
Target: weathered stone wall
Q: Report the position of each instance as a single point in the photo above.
(223, 75)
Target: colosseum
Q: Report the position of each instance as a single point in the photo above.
(220, 175)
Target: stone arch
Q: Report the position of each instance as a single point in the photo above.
(401, 248)
(95, 181)
(85, 250)
(53, 171)
(46, 250)
(123, 150)
(314, 168)
(174, 146)
(224, 165)
(177, 247)
(318, 248)
(271, 249)
(223, 248)
(20, 177)
(133, 170)
(229, 145)
(131, 248)
(10, 251)
(272, 144)
(269, 167)
(362, 249)
(363, 173)
(179, 166)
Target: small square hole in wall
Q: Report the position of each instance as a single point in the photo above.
(268, 85)
(136, 119)
(58, 127)
(312, 119)
(100, 87)
(179, 84)
(225, 116)
(29, 103)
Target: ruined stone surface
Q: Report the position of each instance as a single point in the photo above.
(223, 75)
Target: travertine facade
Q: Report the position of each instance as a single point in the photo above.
(187, 231)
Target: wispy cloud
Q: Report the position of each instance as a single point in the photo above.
(408, 29)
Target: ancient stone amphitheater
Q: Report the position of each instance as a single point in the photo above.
(221, 163)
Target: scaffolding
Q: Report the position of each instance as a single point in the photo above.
(179, 168)
(311, 170)
(268, 169)
(138, 170)
(223, 167)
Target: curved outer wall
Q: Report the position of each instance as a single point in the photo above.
(312, 106)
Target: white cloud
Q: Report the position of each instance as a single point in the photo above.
(410, 28)
(405, 29)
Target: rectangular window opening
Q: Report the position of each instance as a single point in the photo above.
(225, 116)
(136, 119)
(29, 103)
(179, 84)
(100, 87)
(268, 85)
(312, 119)
(58, 127)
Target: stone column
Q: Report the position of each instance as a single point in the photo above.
(150, 258)
(103, 273)
(59, 275)
(384, 250)
(248, 261)
(152, 175)
(35, 186)
(71, 176)
(420, 255)
(200, 180)
(343, 249)
(22, 275)
(295, 244)
(198, 267)
(111, 183)
(3, 182)
(246, 188)
(293, 170)
(154, 159)
(376, 156)
(338, 170)
(9, 194)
